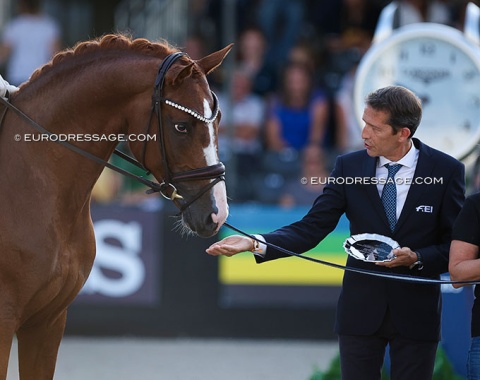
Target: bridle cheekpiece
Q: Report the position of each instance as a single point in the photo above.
(215, 172)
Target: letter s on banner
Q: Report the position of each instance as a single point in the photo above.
(123, 259)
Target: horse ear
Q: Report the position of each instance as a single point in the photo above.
(184, 73)
(212, 61)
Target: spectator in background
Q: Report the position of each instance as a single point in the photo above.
(303, 53)
(414, 11)
(281, 22)
(252, 57)
(346, 28)
(303, 190)
(208, 17)
(298, 114)
(356, 25)
(348, 130)
(246, 117)
(346, 46)
(29, 41)
(458, 12)
(194, 46)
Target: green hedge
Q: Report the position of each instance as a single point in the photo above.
(443, 369)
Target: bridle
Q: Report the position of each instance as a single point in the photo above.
(215, 172)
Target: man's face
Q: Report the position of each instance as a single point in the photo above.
(379, 138)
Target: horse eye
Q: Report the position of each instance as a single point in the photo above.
(182, 128)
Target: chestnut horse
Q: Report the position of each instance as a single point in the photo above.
(101, 87)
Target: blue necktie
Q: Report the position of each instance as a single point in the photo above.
(389, 195)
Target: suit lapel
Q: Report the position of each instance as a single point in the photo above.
(424, 169)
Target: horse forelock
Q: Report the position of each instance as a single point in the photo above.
(109, 42)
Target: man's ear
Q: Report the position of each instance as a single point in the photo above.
(404, 133)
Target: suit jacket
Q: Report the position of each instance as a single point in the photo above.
(415, 308)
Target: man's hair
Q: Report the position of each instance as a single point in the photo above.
(402, 105)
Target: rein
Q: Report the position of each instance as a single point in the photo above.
(215, 172)
(399, 277)
(38, 127)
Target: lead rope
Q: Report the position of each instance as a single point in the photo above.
(399, 277)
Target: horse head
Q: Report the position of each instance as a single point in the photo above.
(105, 87)
(184, 158)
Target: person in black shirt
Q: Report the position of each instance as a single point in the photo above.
(464, 265)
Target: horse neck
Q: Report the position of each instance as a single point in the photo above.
(93, 105)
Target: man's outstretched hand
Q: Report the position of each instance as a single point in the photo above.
(230, 246)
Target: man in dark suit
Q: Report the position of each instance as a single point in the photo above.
(429, 185)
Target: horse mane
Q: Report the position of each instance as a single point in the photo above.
(112, 42)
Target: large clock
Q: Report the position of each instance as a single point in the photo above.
(442, 67)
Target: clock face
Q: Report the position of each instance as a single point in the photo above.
(442, 69)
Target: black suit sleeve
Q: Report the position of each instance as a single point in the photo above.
(320, 220)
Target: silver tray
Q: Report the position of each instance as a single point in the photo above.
(372, 248)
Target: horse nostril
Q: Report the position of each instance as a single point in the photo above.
(210, 220)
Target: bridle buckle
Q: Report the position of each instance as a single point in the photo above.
(174, 194)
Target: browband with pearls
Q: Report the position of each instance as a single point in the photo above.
(195, 114)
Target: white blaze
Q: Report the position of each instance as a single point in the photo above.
(209, 152)
(211, 158)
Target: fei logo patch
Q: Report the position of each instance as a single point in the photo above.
(424, 208)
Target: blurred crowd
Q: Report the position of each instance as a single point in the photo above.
(290, 110)
(287, 112)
